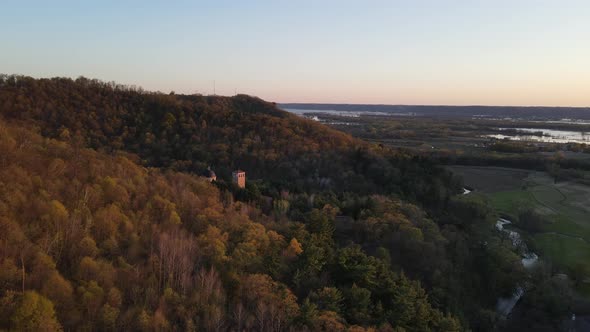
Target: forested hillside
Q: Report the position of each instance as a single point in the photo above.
(106, 225)
(190, 133)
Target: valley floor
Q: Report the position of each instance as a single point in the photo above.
(565, 239)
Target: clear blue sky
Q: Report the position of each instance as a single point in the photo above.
(516, 52)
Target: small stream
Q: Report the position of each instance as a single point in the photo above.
(529, 258)
(504, 306)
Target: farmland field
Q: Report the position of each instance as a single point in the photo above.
(491, 179)
(565, 238)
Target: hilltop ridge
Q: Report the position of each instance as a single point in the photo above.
(192, 132)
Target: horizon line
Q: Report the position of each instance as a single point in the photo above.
(427, 105)
(283, 103)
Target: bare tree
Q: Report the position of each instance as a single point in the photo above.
(176, 251)
(240, 316)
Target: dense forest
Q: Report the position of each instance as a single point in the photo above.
(105, 223)
(190, 133)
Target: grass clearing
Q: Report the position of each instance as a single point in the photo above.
(566, 250)
(565, 225)
(512, 202)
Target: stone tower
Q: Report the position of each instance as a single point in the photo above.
(239, 178)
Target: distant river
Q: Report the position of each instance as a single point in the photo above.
(352, 114)
(547, 135)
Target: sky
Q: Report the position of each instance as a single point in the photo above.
(434, 52)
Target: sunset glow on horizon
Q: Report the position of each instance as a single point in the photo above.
(375, 52)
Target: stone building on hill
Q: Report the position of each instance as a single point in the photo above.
(239, 178)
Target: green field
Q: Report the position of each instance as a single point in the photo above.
(565, 239)
(572, 252)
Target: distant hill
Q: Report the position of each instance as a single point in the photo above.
(529, 112)
(192, 132)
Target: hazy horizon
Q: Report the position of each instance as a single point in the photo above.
(459, 53)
